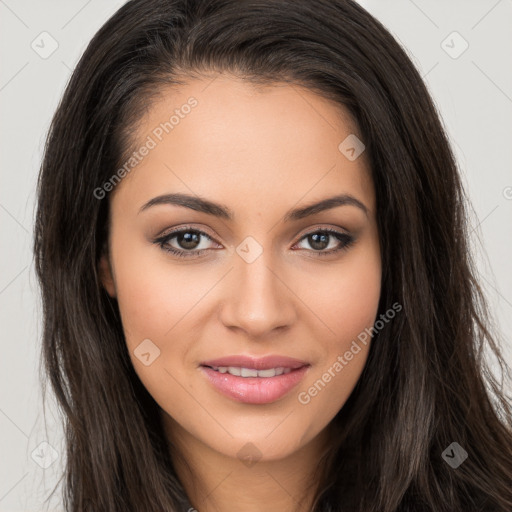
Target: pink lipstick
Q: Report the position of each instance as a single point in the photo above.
(254, 380)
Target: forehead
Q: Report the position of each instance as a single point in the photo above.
(224, 135)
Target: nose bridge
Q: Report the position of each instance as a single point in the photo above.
(258, 300)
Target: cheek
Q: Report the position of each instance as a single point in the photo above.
(162, 302)
(347, 304)
(154, 301)
(145, 299)
(345, 299)
(154, 296)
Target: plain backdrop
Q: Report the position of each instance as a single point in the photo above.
(463, 50)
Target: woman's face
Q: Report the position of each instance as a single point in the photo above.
(260, 278)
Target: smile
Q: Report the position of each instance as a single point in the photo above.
(251, 372)
(251, 386)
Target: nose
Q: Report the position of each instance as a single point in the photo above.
(258, 298)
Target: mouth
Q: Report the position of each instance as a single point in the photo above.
(254, 380)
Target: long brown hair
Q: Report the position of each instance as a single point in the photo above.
(426, 383)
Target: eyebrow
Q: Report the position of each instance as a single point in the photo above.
(219, 210)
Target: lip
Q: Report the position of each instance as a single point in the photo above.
(255, 390)
(257, 363)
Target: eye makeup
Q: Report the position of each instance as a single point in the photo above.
(319, 235)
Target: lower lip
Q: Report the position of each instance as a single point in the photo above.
(254, 390)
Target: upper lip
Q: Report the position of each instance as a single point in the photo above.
(257, 363)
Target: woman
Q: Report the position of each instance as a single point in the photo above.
(258, 293)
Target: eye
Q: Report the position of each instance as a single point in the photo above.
(188, 241)
(321, 239)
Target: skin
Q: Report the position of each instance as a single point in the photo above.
(260, 151)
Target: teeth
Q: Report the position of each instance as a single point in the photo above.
(271, 372)
(246, 372)
(250, 372)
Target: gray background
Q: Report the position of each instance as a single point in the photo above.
(473, 91)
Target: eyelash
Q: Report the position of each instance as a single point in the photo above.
(163, 241)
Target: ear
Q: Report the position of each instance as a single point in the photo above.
(106, 274)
